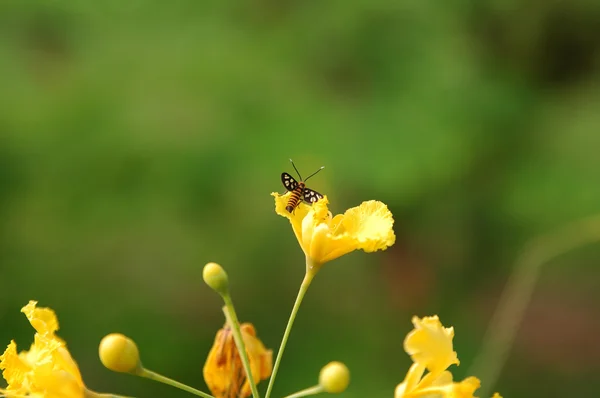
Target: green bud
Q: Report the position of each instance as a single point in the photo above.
(119, 353)
(215, 276)
(334, 377)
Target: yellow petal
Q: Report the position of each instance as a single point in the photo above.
(371, 224)
(319, 243)
(337, 246)
(54, 370)
(14, 369)
(261, 359)
(295, 217)
(308, 226)
(411, 380)
(466, 388)
(430, 344)
(43, 320)
(445, 389)
(436, 380)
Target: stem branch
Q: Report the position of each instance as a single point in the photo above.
(234, 324)
(306, 392)
(163, 379)
(505, 322)
(303, 288)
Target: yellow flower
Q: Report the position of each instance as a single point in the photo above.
(47, 369)
(430, 346)
(223, 371)
(324, 238)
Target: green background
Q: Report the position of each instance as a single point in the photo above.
(140, 140)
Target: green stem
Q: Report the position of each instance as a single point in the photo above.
(308, 391)
(504, 325)
(165, 380)
(303, 288)
(234, 324)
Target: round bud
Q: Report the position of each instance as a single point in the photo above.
(119, 353)
(215, 276)
(334, 377)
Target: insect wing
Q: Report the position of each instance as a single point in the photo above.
(289, 182)
(311, 196)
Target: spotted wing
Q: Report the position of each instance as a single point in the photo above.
(311, 196)
(289, 182)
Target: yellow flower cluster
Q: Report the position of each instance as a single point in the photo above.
(430, 347)
(238, 360)
(47, 369)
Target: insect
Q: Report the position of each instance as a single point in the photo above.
(298, 189)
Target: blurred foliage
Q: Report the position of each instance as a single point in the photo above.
(140, 140)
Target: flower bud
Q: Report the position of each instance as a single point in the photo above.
(215, 276)
(334, 377)
(119, 353)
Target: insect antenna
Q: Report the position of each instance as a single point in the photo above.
(296, 169)
(322, 167)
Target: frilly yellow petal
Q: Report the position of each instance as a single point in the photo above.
(371, 224)
(320, 210)
(466, 388)
(444, 387)
(430, 344)
(14, 369)
(43, 320)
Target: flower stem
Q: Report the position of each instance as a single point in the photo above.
(234, 324)
(519, 288)
(306, 392)
(165, 380)
(303, 288)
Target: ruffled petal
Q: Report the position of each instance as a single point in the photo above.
(43, 320)
(14, 368)
(371, 224)
(466, 388)
(430, 344)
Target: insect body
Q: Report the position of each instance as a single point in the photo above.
(299, 190)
